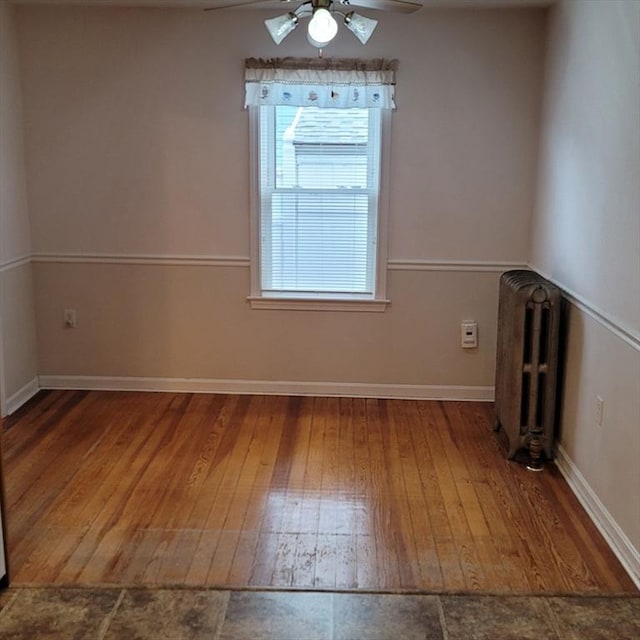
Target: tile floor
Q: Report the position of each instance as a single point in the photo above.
(46, 613)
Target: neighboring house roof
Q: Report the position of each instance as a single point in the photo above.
(322, 126)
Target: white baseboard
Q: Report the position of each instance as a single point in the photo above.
(628, 555)
(205, 385)
(21, 396)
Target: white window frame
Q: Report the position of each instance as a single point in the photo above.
(320, 302)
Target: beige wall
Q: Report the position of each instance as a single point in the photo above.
(19, 348)
(587, 231)
(138, 142)
(18, 362)
(137, 146)
(586, 236)
(193, 322)
(15, 239)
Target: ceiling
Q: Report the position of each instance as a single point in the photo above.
(277, 3)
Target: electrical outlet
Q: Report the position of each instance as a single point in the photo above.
(599, 411)
(70, 318)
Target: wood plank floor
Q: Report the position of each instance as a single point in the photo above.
(269, 491)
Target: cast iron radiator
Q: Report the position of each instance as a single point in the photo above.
(527, 363)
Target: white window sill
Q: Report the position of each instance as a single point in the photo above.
(318, 304)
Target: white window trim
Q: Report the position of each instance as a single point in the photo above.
(290, 302)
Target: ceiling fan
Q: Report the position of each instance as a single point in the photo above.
(323, 25)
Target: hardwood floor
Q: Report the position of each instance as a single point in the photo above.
(269, 491)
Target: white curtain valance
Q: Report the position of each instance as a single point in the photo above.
(341, 83)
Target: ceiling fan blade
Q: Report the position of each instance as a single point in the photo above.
(262, 4)
(401, 6)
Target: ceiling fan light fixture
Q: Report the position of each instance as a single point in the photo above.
(322, 28)
(281, 26)
(360, 26)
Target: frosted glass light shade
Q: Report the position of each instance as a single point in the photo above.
(360, 26)
(322, 28)
(279, 28)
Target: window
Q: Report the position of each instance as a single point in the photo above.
(319, 176)
(319, 220)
